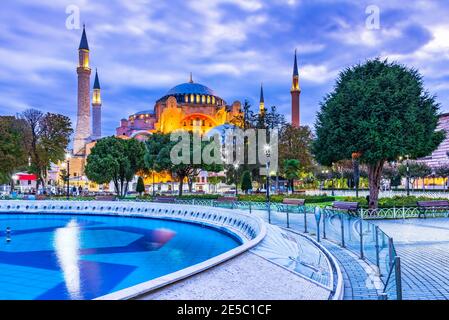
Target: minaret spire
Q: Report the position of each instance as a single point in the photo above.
(295, 92)
(191, 78)
(96, 108)
(83, 126)
(261, 101)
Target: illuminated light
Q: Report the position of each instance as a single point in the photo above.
(197, 98)
(67, 246)
(213, 100)
(208, 99)
(192, 98)
(186, 98)
(203, 99)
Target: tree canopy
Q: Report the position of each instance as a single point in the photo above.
(47, 136)
(378, 111)
(117, 160)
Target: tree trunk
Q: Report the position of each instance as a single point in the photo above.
(374, 175)
(181, 183)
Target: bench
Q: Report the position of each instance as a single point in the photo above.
(349, 207)
(292, 203)
(165, 199)
(433, 205)
(105, 198)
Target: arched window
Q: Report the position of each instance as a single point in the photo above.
(192, 98)
(186, 98)
(208, 99)
(203, 99)
(197, 98)
(213, 100)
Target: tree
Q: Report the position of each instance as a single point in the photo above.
(443, 172)
(47, 137)
(416, 170)
(291, 169)
(391, 173)
(13, 153)
(246, 183)
(158, 148)
(117, 160)
(295, 143)
(379, 111)
(140, 188)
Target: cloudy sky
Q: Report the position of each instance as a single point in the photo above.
(142, 48)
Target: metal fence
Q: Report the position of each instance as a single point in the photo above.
(354, 233)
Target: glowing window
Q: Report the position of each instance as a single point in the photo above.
(186, 98)
(197, 98)
(203, 99)
(192, 98)
(208, 99)
(213, 100)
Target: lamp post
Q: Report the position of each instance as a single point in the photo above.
(67, 158)
(153, 183)
(408, 175)
(325, 173)
(356, 169)
(268, 154)
(236, 168)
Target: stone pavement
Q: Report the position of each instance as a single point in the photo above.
(423, 245)
(360, 281)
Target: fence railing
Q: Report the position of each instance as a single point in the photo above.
(382, 193)
(354, 233)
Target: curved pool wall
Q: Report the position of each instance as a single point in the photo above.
(250, 230)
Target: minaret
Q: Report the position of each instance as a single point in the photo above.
(262, 102)
(82, 131)
(96, 109)
(295, 92)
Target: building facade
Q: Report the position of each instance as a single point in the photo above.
(190, 106)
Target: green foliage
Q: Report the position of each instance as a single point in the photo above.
(246, 182)
(140, 188)
(416, 170)
(442, 171)
(13, 153)
(381, 111)
(117, 160)
(158, 158)
(46, 136)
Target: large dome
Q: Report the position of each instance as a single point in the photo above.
(191, 88)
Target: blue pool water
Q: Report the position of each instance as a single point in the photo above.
(84, 257)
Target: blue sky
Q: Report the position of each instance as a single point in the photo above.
(142, 48)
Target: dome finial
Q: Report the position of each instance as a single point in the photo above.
(191, 78)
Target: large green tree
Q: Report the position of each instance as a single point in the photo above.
(158, 158)
(47, 137)
(13, 151)
(291, 169)
(377, 111)
(117, 160)
(246, 183)
(295, 143)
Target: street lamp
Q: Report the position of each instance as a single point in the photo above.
(236, 168)
(408, 175)
(356, 169)
(267, 150)
(67, 158)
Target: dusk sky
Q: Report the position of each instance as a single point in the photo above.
(142, 48)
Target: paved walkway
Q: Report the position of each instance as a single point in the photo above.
(423, 245)
(246, 277)
(360, 281)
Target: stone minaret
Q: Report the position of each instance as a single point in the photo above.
(96, 109)
(262, 101)
(295, 92)
(82, 131)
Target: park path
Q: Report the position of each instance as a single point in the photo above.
(423, 245)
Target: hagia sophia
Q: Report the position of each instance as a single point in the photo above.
(191, 106)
